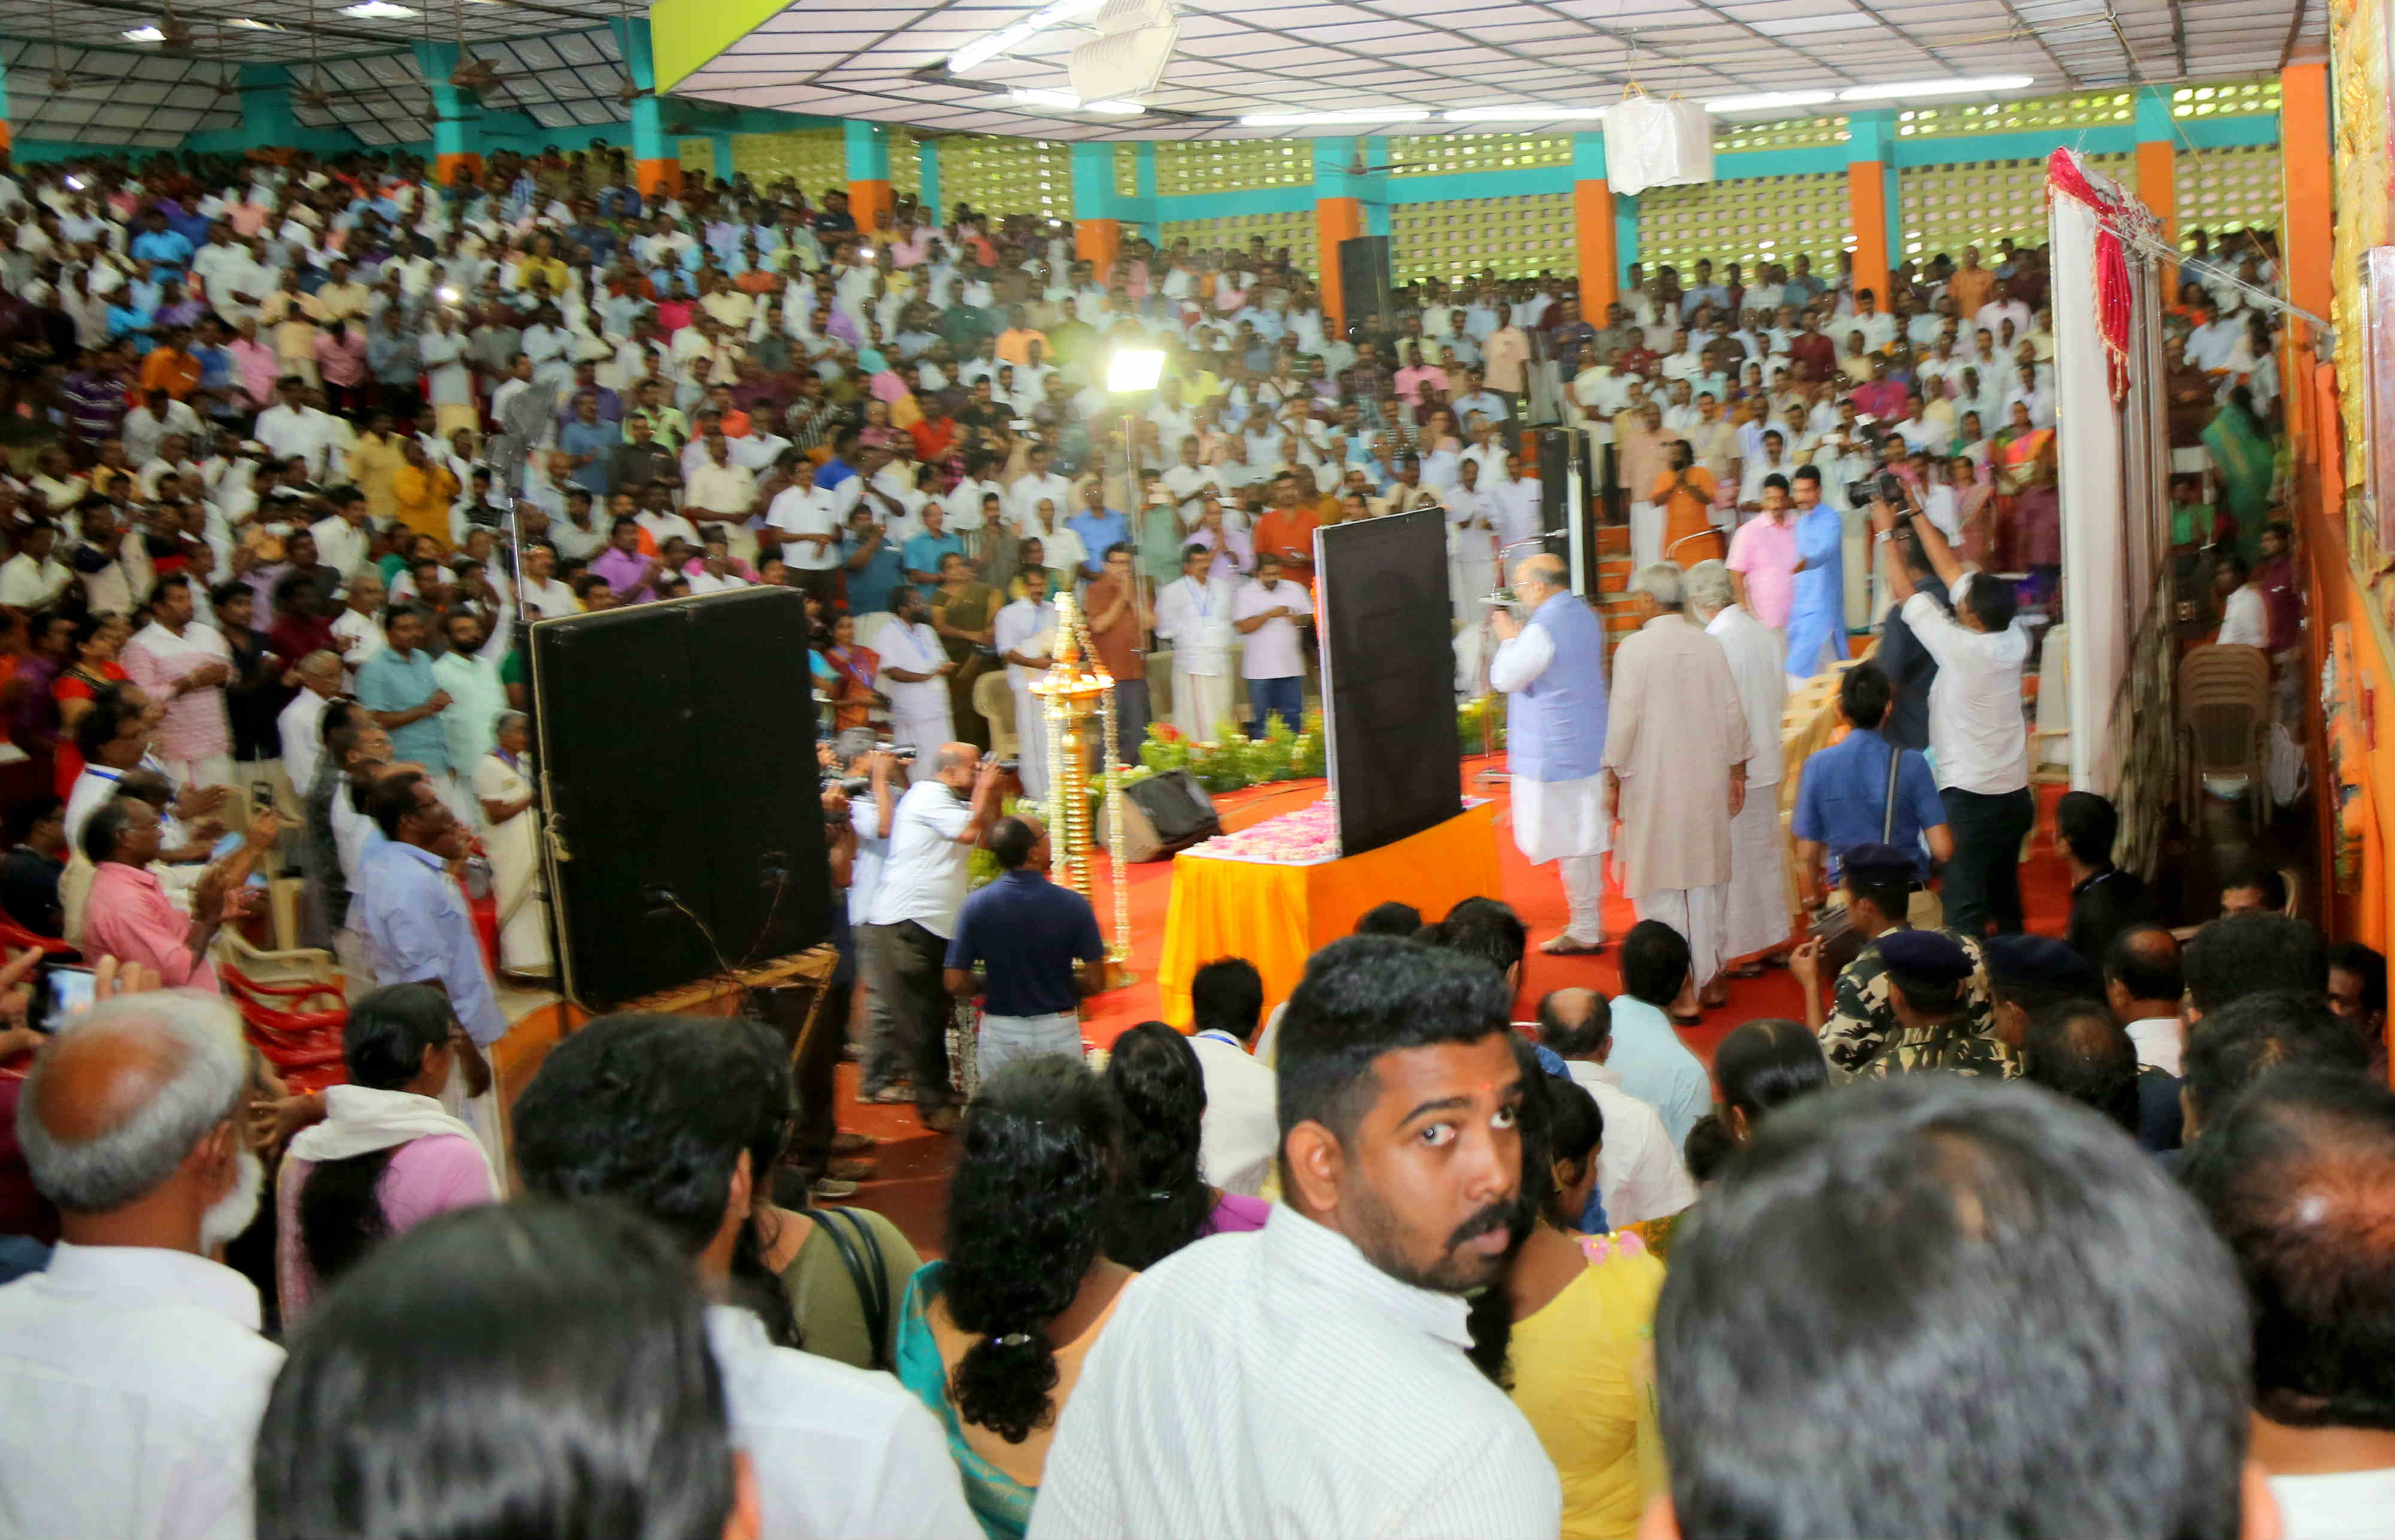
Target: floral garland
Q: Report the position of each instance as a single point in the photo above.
(2119, 216)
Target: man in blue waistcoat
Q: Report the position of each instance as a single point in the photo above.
(1553, 667)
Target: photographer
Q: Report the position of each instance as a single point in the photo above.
(1977, 736)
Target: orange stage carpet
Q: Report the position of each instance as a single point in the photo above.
(910, 1185)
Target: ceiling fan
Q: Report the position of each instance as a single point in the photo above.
(174, 32)
(61, 81)
(472, 74)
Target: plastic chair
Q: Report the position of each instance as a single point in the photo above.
(994, 699)
(303, 1044)
(295, 965)
(2224, 723)
(16, 937)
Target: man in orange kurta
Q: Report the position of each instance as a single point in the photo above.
(1685, 492)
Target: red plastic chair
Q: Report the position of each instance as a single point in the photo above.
(304, 1046)
(14, 938)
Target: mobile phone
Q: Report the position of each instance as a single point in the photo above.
(62, 991)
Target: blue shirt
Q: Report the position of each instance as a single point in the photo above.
(1657, 1067)
(869, 586)
(597, 440)
(1098, 531)
(1027, 933)
(392, 681)
(924, 553)
(416, 928)
(1842, 798)
(166, 252)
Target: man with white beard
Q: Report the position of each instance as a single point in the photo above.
(132, 1366)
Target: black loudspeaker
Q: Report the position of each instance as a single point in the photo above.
(677, 774)
(1388, 676)
(1555, 476)
(1363, 279)
(1176, 810)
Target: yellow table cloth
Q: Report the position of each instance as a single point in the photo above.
(1278, 916)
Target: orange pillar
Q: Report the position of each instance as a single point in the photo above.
(1335, 219)
(869, 199)
(2158, 185)
(2307, 171)
(1096, 243)
(1600, 266)
(1867, 208)
(447, 167)
(660, 178)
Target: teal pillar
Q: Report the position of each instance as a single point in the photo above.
(1094, 181)
(7, 128)
(266, 112)
(1376, 208)
(869, 151)
(656, 165)
(927, 168)
(457, 115)
(1626, 230)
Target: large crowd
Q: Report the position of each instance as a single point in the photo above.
(300, 450)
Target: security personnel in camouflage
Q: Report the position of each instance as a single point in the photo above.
(1862, 1017)
(1928, 974)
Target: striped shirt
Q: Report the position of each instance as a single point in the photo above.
(1278, 1385)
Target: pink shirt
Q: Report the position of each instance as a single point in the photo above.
(1765, 550)
(426, 1176)
(342, 362)
(195, 726)
(259, 367)
(129, 917)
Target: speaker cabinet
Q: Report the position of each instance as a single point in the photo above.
(1364, 280)
(677, 772)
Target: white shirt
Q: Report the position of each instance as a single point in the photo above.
(1640, 1174)
(2346, 1505)
(1196, 617)
(2242, 619)
(302, 431)
(924, 878)
(366, 639)
(299, 731)
(807, 510)
(840, 1453)
(547, 599)
(29, 585)
(338, 545)
(133, 1379)
(1023, 626)
(1241, 1134)
(1977, 736)
(1023, 503)
(1272, 651)
(2159, 1041)
(1276, 1384)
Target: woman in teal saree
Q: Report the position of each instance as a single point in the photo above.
(2241, 450)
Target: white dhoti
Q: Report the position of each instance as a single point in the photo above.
(1699, 914)
(1471, 577)
(923, 730)
(1565, 822)
(1201, 702)
(1646, 535)
(1757, 915)
(1031, 741)
(1855, 553)
(483, 1115)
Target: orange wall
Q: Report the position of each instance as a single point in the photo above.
(2305, 241)
(2158, 185)
(1096, 242)
(868, 199)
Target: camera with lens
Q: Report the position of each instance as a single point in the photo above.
(903, 756)
(1885, 487)
(854, 786)
(1010, 766)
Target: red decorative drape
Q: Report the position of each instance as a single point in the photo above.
(2066, 176)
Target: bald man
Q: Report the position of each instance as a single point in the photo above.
(908, 922)
(132, 1367)
(300, 725)
(1552, 668)
(1640, 1175)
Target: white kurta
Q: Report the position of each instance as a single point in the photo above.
(920, 714)
(1758, 918)
(1029, 629)
(514, 850)
(1196, 617)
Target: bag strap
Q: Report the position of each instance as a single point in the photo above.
(860, 1254)
(1887, 814)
